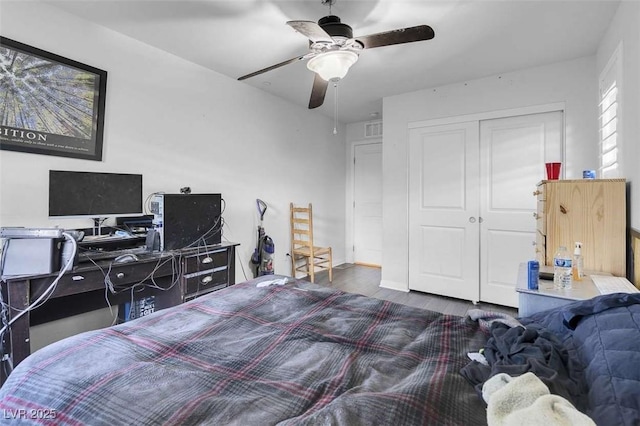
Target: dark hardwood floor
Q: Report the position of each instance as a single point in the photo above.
(366, 280)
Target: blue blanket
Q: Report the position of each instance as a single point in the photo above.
(603, 336)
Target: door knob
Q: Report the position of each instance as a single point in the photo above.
(472, 219)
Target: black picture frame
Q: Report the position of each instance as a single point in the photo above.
(49, 104)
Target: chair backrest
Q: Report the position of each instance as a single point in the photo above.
(301, 227)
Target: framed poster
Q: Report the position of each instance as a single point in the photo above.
(49, 104)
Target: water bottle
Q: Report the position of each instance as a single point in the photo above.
(562, 270)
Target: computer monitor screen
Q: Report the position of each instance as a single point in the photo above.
(94, 194)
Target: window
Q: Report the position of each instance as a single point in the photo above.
(609, 122)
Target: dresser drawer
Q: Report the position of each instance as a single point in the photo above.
(539, 215)
(541, 218)
(206, 261)
(205, 281)
(541, 248)
(540, 193)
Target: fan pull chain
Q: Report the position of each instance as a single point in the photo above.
(335, 108)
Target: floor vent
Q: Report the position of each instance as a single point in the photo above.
(373, 130)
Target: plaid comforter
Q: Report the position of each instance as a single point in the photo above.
(248, 355)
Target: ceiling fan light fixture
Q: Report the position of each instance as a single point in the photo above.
(332, 65)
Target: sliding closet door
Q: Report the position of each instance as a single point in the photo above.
(512, 155)
(443, 210)
(471, 203)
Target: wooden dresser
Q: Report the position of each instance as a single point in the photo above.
(590, 211)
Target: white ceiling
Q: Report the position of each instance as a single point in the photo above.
(474, 38)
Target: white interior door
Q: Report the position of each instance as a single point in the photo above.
(512, 156)
(367, 205)
(443, 210)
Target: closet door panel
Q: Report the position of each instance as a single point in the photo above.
(443, 210)
(513, 151)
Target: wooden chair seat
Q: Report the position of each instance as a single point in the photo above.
(317, 251)
(305, 256)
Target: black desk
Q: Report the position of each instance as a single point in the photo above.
(168, 276)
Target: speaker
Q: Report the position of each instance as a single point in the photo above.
(153, 240)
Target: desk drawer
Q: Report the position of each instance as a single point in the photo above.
(85, 279)
(206, 261)
(205, 281)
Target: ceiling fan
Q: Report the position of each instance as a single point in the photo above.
(333, 49)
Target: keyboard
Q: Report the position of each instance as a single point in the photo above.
(609, 284)
(96, 255)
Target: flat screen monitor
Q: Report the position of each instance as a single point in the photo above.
(90, 194)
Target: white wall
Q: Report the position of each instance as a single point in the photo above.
(625, 29)
(180, 124)
(573, 83)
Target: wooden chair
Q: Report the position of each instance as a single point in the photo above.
(302, 248)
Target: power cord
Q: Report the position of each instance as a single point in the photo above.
(147, 202)
(242, 249)
(215, 228)
(143, 283)
(47, 293)
(176, 272)
(3, 255)
(39, 301)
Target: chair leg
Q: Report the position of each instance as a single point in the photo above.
(293, 265)
(311, 269)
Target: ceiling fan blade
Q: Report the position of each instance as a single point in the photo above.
(272, 67)
(311, 30)
(403, 35)
(318, 92)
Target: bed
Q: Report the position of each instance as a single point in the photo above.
(263, 352)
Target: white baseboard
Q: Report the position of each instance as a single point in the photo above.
(395, 285)
(337, 262)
